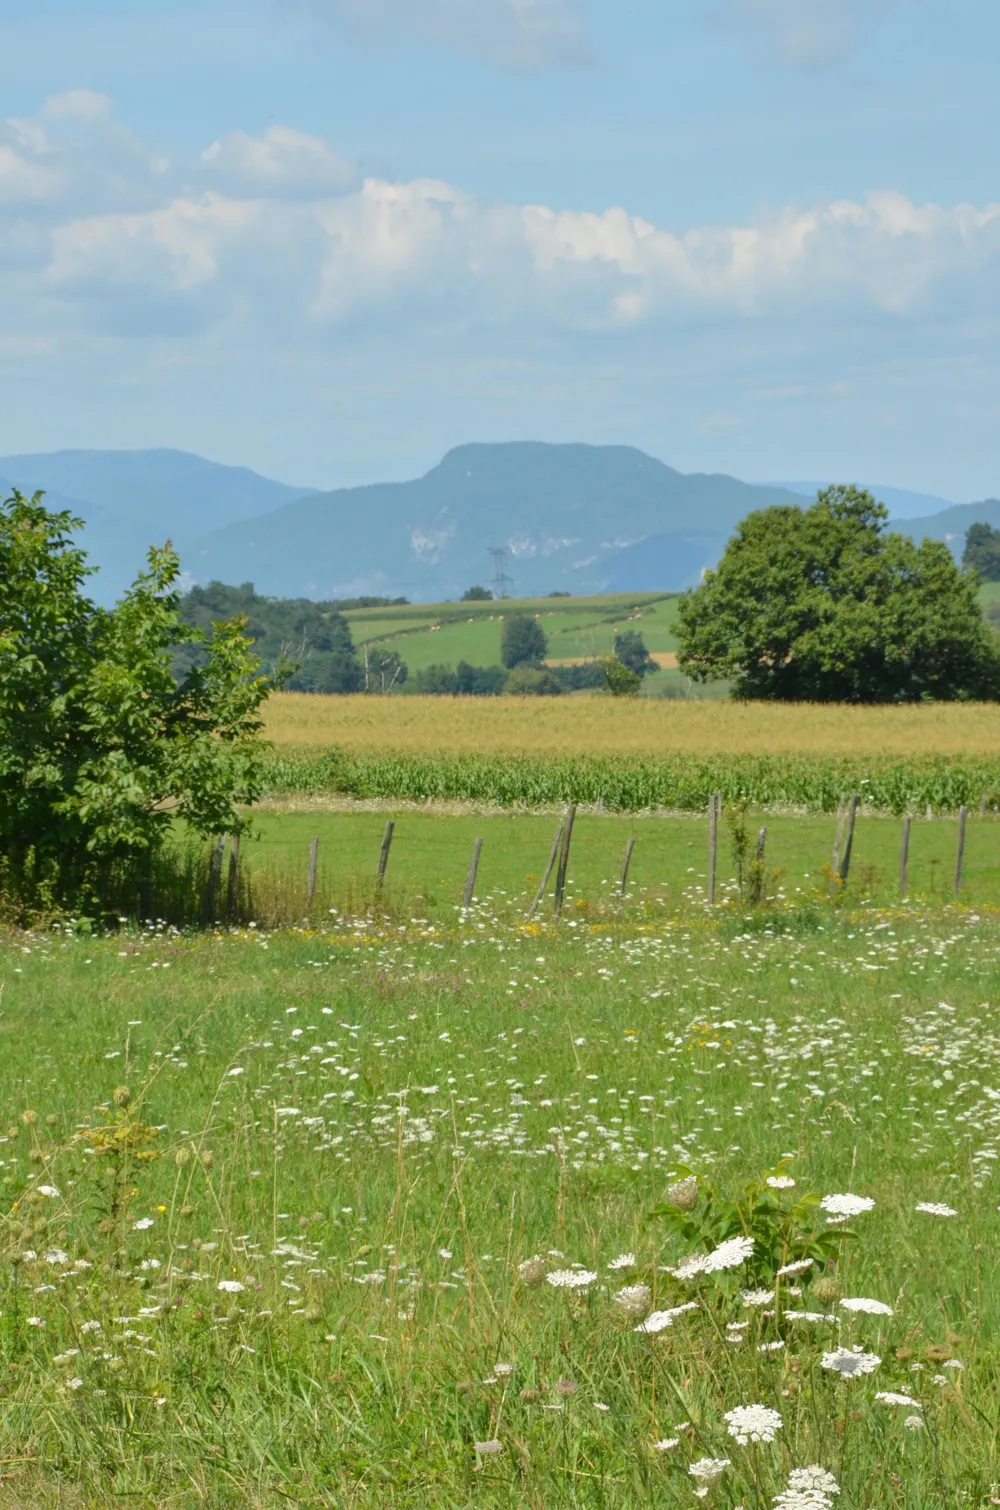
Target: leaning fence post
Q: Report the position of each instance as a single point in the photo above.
(963, 814)
(539, 894)
(383, 858)
(904, 856)
(233, 880)
(623, 882)
(214, 874)
(845, 864)
(311, 882)
(838, 840)
(470, 880)
(714, 804)
(564, 858)
(761, 841)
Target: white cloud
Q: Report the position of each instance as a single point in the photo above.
(281, 162)
(512, 33)
(99, 238)
(806, 33)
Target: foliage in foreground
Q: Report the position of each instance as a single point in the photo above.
(821, 605)
(100, 748)
(576, 1217)
(634, 783)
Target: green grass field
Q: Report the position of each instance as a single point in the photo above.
(321, 1287)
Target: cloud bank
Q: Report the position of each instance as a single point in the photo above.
(100, 234)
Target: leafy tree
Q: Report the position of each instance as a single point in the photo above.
(587, 677)
(532, 681)
(822, 604)
(384, 669)
(982, 552)
(479, 681)
(312, 640)
(630, 649)
(523, 641)
(619, 679)
(101, 748)
(476, 595)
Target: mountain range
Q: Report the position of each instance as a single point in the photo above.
(576, 518)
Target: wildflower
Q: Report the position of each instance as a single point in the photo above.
(753, 1423)
(869, 1307)
(503, 1370)
(757, 1297)
(770, 1347)
(230, 1286)
(635, 1300)
(780, 1182)
(91, 1326)
(66, 1357)
(890, 1397)
(826, 1289)
(847, 1205)
(953, 1363)
(623, 1261)
(934, 1208)
(666, 1444)
(488, 1449)
(571, 1279)
(532, 1271)
(566, 1387)
(36, 1321)
(850, 1363)
(657, 1321)
(143, 1224)
(798, 1267)
(706, 1471)
(913, 1423)
(808, 1489)
(684, 1194)
(728, 1255)
(49, 1190)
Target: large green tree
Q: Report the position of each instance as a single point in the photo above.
(102, 749)
(822, 603)
(982, 552)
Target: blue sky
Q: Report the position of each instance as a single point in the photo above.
(331, 238)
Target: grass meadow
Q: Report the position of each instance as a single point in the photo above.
(603, 1213)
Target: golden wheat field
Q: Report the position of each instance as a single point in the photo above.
(606, 726)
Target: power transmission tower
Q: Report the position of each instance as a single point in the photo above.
(501, 582)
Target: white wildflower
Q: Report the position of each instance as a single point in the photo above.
(780, 1182)
(531, 1271)
(812, 1316)
(770, 1347)
(847, 1205)
(890, 1397)
(850, 1363)
(953, 1363)
(635, 1300)
(143, 1224)
(503, 1370)
(36, 1321)
(666, 1444)
(808, 1489)
(706, 1471)
(757, 1297)
(656, 1321)
(49, 1190)
(623, 1261)
(571, 1279)
(230, 1286)
(728, 1255)
(488, 1449)
(753, 1423)
(798, 1267)
(91, 1326)
(76, 1383)
(913, 1423)
(935, 1208)
(869, 1307)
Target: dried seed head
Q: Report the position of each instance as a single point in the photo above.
(122, 1096)
(207, 1159)
(182, 1157)
(684, 1194)
(29, 1118)
(51, 1119)
(529, 1396)
(826, 1290)
(532, 1271)
(566, 1387)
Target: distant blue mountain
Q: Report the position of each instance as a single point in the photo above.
(951, 524)
(131, 500)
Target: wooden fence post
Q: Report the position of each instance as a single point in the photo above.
(564, 858)
(311, 881)
(470, 880)
(233, 879)
(963, 814)
(383, 858)
(761, 841)
(838, 840)
(212, 884)
(845, 864)
(904, 856)
(539, 894)
(714, 805)
(623, 881)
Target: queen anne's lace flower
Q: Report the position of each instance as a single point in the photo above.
(753, 1423)
(707, 1470)
(684, 1194)
(571, 1279)
(798, 1267)
(934, 1208)
(728, 1255)
(808, 1489)
(635, 1300)
(814, 1316)
(757, 1297)
(666, 1444)
(780, 1182)
(869, 1307)
(847, 1205)
(890, 1397)
(850, 1363)
(623, 1261)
